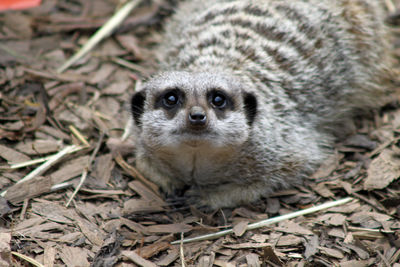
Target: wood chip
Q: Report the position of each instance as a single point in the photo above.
(323, 190)
(253, 260)
(240, 228)
(5, 249)
(29, 189)
(38, 147)
(172, 255)
(247, 245)
(269, 255)
(383, 170)
(70, 169)
(331, 252)
(153, 249)
(12, 156)
(133, 256)
(354, 263)
(293, 228)
(74, 256)
(103, 167)
(289, 240)
(169, 228)
(49, 256)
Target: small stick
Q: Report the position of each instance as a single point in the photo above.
(87, 168)
(24, 207)
(83, 179)
(28, 259)
(47, 164)
(130, 65)
(181, 252)
(390, 6)
(102, 33)
(268, 221)
(79, 135)
(29, 162)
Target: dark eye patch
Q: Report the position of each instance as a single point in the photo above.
(219, 100)
(170, 100)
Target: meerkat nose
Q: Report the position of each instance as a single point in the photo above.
(197, 116)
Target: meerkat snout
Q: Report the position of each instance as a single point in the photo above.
(197, 117)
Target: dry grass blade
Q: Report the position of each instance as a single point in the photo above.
(269, 221)
(132, 171)
(181, 253)
(103, 32)
(29, 162)
(87, 168)
(28, 259)
(47, 164)
(390, 6)
(78, 135)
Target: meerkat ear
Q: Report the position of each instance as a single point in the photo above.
(137, 105)
(250, 106)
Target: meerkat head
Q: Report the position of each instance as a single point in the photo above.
(194, 109)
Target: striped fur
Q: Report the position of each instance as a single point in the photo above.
(293, 71)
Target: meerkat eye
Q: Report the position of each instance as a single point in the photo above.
(218, 100)
(170, 99)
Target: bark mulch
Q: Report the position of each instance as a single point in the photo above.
(85, 204)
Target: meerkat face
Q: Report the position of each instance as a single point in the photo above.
(193, 109)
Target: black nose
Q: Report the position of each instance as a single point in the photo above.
(197, 116)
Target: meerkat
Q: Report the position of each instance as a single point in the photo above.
(248, 94)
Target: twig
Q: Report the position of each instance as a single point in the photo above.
(268, 221)
(103, 32)
(130, 65)
(47, 164)
(28, 259)
(29, 162)
(79, 135)
(86, 170)
(390, 6)
(127, 130)
(351, 228)
(83, 179)
(181, 251)
(132, 171)
(60, 186)
(24, 207)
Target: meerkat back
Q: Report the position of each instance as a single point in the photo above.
(248, 92)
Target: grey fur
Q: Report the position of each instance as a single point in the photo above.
(293, 71)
